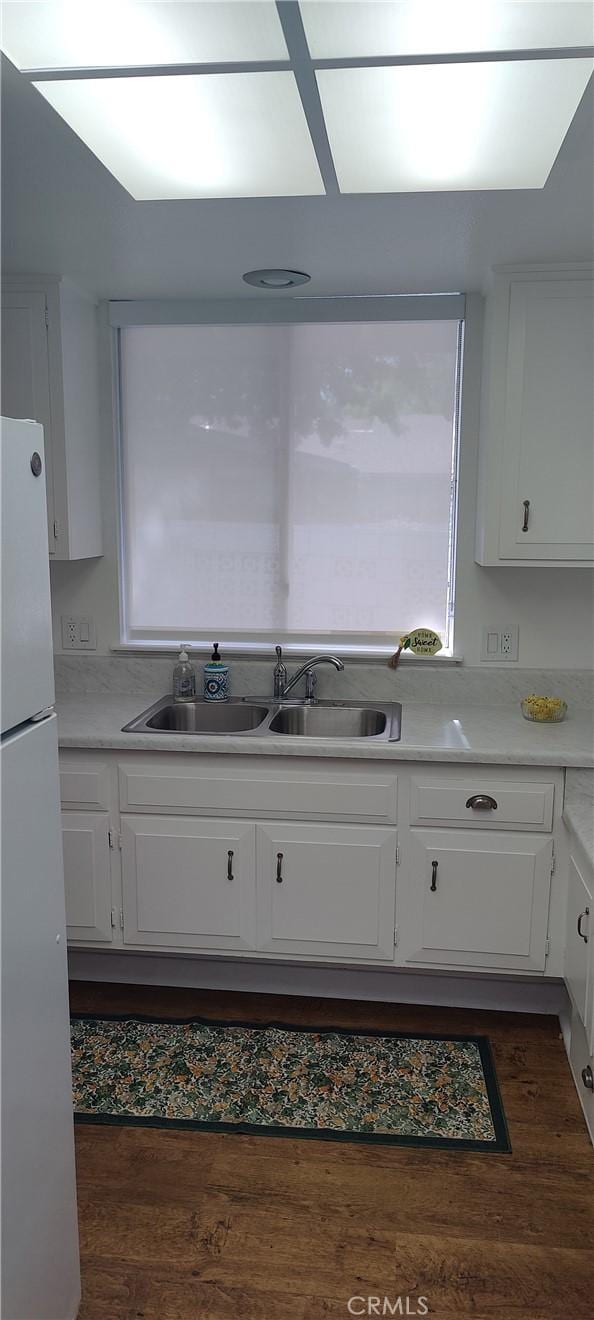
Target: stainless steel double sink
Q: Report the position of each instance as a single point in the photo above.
(271, 718)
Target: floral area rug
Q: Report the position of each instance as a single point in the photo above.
(281, 1080)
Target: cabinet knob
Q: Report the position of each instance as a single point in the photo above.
(526, 521)
(588, 1078)
(585, 913)
(279, 868)
(230, 864)
(482, 802)
(434, 866)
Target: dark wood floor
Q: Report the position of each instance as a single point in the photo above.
(208, 1226)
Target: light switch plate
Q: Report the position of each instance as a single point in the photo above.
(78, 633)
(500, 644)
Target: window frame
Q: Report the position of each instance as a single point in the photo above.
(283, 310)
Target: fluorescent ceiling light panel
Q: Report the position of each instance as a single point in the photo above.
(211, 135)
(355, 29)
(92, 34)
(449, 127)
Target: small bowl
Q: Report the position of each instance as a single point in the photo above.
(543, 710)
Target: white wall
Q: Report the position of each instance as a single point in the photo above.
(553, 607)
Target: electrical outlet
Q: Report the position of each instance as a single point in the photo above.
(78, 634)
(500, 644)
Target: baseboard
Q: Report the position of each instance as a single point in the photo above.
(507, 994)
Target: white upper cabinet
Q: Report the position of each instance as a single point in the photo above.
(536, 482)
(49, 374)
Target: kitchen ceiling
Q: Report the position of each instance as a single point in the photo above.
(248, 98)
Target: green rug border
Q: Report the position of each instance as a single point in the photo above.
(501, 1145)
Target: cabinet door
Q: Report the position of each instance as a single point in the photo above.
(478, 900)
(188, 883)
(579, 933)
(25, 373)
(87, 875)
(549, 422)
(326, 890)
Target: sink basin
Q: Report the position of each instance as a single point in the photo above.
(198, 717)
(323, 719)
(329, 720)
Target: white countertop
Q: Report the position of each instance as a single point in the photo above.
(578, 810)
(495, 735)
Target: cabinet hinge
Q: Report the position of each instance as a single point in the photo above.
(398, 854)
(553, 860)
(55, 530)
(547, 947)
(115, 839)
(395, 937)
(46, 316)
(114, 916)
(122, 918)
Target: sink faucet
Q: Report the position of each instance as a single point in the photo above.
(306, 671)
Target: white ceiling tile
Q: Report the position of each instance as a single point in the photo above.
(340, 29)
(50, 34)
(211, 135)
(452, 127)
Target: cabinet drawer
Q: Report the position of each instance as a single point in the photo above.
(518, 805)
(84, 786)
(183, 787)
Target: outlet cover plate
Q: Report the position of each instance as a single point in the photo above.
(78, 633)
(500, 644)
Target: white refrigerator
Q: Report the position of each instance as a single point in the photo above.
(40, 1278)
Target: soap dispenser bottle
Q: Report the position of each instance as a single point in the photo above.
(184, 679)
(216, 678)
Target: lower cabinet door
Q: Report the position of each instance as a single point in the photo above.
(478, 900)
(327, 890)
(579, 934)
(87, 875)
(188, 883)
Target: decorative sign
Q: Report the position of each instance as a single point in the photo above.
(421, 641)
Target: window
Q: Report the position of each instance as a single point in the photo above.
(290, 481)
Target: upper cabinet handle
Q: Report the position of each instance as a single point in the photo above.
(230, 864)
(482, 802)
(585, 913)
(526, 504)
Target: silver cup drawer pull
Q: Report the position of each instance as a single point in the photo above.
(481, 802)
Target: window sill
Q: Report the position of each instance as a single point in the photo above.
(376, 655)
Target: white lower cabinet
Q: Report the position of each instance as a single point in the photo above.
(260, 857)
(327, 890)
(478, 900)
(188, 882)
(580, 931)
(87, 875)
